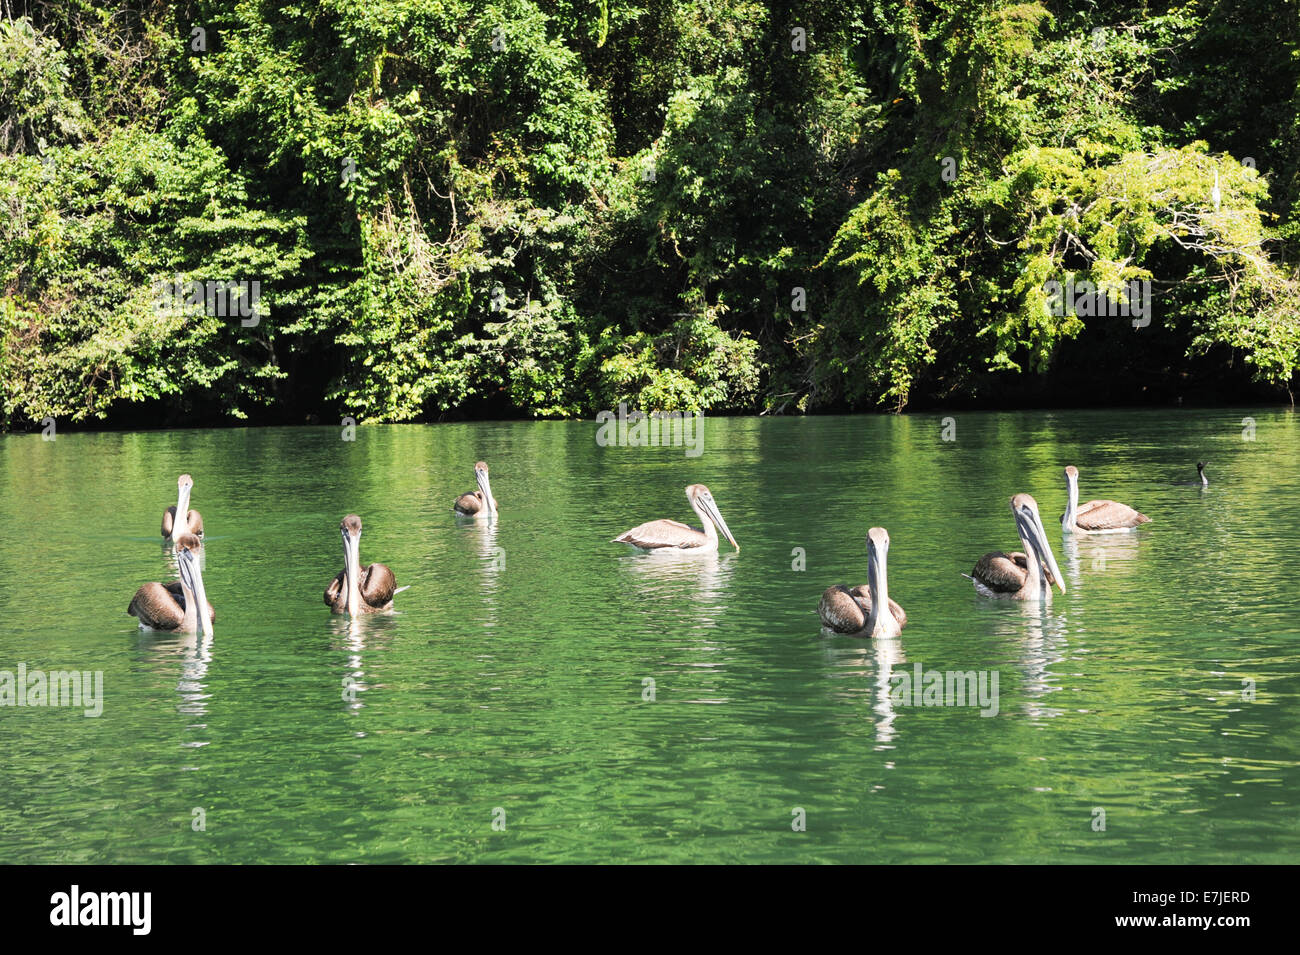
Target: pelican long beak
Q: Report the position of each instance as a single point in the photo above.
(352, 569)
(877, 571)
(485, 486)
(192, 577)
(183, 505)
(711, 509)
(1038, 537)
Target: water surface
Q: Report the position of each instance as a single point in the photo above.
(512, 682)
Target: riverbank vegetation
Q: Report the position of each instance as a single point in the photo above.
(516, 208)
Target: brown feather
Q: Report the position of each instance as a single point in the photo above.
(470, 503)
(1108, 515)
(846, 610)
(654, 535)
(157, 608)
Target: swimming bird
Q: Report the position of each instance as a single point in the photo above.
(480, 502)
(672, 535)
(854, 611)
(1096, 517)
(179, 520)
(1026, 575)
(355, 592)
(1202, 480)
(175, 606)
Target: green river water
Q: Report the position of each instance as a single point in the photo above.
(504, 712)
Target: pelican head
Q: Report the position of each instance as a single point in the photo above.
(350, 528)
(701, 499)
(1071, 496)
(187, 549)
(877, 554)
(484, 486)
(1025, 509)
(184, 484)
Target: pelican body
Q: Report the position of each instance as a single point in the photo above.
(353, 591)
(1026, 575)
(478, 503)
(175, 607)
(1096, 517)
(865, 610)
(673, 536)
(179, 520)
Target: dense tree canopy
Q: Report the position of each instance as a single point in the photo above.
(511, 207)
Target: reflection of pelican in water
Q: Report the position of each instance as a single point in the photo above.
(478, 503)
(195, 652)
(352, 634)
(865, 610)
(1043, 637)
(353, 592)
(672, 536)
(175, 606)
(1101, 553)
(179, 520)
(878, 663)
(1026, 575)
(1096, 517)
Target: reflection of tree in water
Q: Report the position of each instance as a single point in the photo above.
(1100, 554)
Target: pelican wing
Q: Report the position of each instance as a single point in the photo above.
(334, 596)
(378, 586)
(840, 611)
(470, 503)
(156, 608)
(196, 523)
(178, 594)
(654, 535)
(846, 610)
(1002, 573)
(1107, 516)
(168, 521)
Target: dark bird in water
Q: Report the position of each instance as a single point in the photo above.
(1021, 575)
(481, 502)
(1202, 480)
(1096, 517)
(853, 611)
(353, 591)
(673, 536)
(175, 606)
(179, 520)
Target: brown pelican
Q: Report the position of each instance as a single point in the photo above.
(180, 520)
(480, 502)
(175, 606)
(855, 611)
(1020, 576)
(671, 535)
(352, 591)
(1096, 517)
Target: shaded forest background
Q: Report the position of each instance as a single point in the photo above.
(458, 208)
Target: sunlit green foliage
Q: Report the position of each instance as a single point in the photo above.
(513, 207)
